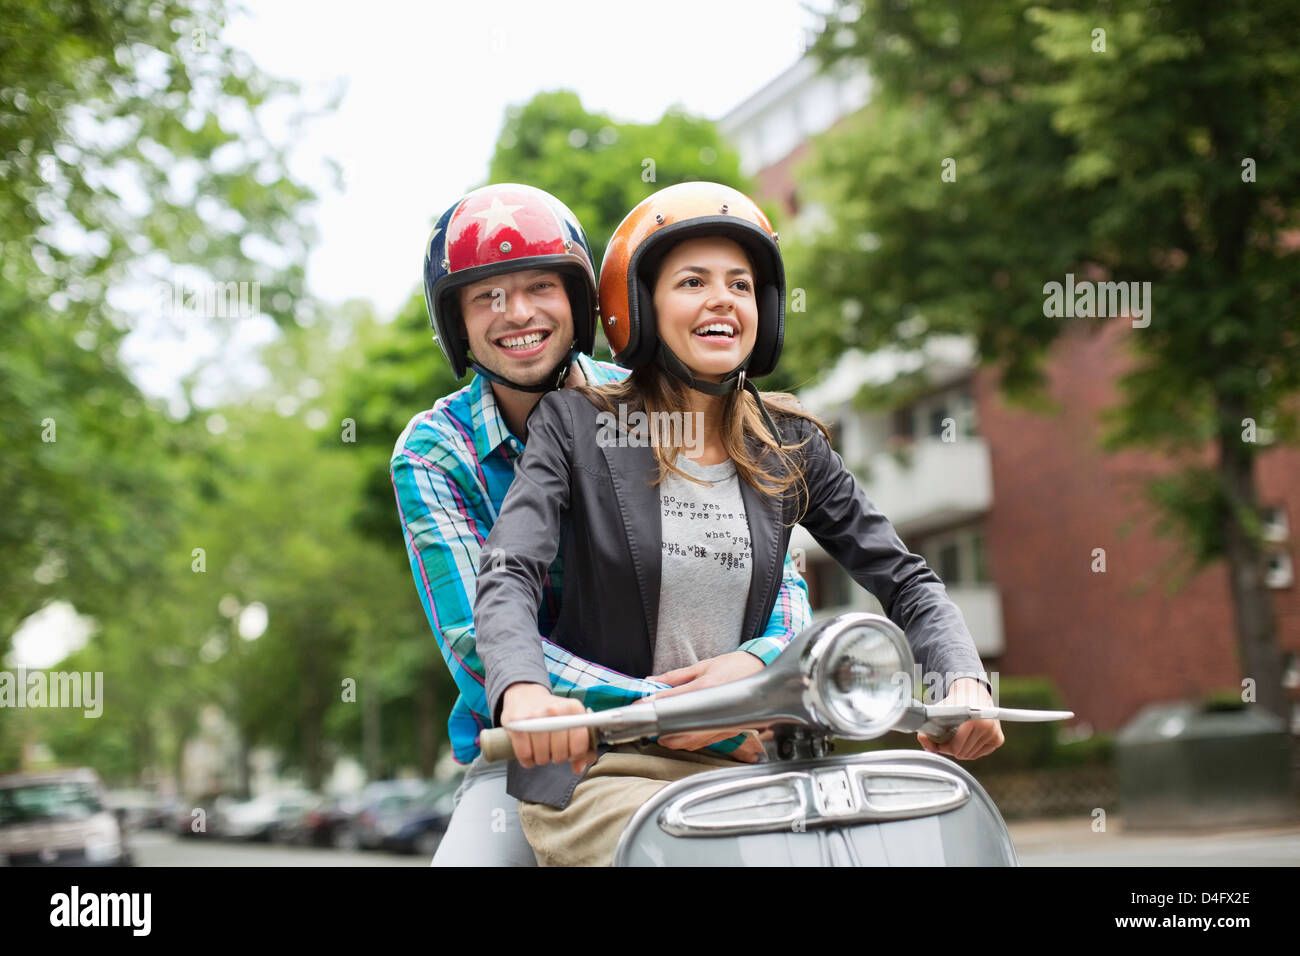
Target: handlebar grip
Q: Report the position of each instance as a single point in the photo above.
(495, 744)
(941, 737)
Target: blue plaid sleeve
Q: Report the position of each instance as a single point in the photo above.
(443, 540)
(790, 615)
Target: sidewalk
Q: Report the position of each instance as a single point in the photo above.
(1072, 842)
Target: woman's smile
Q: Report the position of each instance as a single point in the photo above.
(705, 305)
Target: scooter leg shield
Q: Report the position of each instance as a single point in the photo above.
(888, 808)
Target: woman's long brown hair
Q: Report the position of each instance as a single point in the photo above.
(649, 389)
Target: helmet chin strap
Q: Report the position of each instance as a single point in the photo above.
(733, 381)
(550, 383)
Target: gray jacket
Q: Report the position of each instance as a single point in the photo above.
(597, 507)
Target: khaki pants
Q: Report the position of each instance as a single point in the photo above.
(586, 832)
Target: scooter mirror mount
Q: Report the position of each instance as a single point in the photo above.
(791, 742)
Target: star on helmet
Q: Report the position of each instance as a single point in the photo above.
(498, 214)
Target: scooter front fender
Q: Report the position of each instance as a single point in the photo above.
(887, 808)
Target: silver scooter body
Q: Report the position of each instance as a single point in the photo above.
(888, 808)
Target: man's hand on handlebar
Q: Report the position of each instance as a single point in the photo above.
(710, 673)
(522, 701)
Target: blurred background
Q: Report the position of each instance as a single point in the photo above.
(214, 331)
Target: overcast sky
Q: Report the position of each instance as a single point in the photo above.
(428, 85)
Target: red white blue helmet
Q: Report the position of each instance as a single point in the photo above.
(506, 227)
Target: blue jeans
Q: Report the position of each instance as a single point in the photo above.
(484, 828)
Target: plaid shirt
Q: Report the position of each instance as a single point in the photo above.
(451, 469)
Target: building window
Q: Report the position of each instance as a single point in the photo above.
(1275, 524)
(1277, 570)
(829, 585)
(979, 561)
(903, 424)
(939, 416)
(836, 428)
(958, 557)
(929, 417)
(948, 563)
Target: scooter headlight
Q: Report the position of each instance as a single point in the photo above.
(856, 674)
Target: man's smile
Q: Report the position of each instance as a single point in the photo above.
(524, 344)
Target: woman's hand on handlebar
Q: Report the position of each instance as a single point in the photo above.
(524, 700)
(975, 738)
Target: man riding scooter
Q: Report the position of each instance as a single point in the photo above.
(511, 292)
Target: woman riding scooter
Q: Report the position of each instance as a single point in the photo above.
(672, 496)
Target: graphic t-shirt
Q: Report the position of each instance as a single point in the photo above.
(707, 562)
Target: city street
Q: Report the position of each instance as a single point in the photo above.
(1038, 843)
(1073, 843)
(155, 848)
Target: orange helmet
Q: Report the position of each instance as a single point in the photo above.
(639, 244)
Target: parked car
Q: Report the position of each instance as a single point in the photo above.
(187, 823)
(58, 818)
(419, 828)
(378, 805)
(137, 809)
(321, 824)
(262, 818)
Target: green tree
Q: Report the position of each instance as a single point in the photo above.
(130, 155)
(342, 598)
(1157, 142)
(399, 372)
(600, 168)
(128, 152)
(271, 521)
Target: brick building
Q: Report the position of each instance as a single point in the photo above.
(1019, 512)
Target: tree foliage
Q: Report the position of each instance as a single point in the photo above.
(129, 151)
(131, 154)
(601, 168)
(1149, 142)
